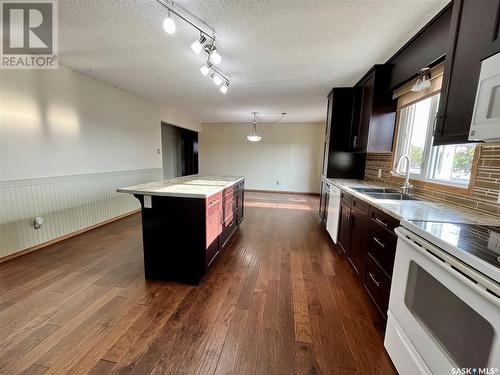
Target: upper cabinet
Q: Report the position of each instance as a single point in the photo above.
(374, 113)
(474, 35)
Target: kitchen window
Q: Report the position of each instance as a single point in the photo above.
(447, 165)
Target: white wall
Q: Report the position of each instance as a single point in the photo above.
(288, 152)
(67, 141)
(59, 122)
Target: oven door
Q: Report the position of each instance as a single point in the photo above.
(444, 314)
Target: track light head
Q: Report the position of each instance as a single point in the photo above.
(217, 80)
(224, 87)
(198, 44)
(205, 69)
(169, 25)
(214, 56)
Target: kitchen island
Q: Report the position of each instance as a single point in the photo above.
(186, 223)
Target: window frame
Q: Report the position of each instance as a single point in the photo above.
(422, 179)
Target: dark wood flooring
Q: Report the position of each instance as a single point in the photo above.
(279, 300)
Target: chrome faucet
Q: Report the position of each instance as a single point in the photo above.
(406, 185)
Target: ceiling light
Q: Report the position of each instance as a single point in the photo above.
(223, 88)
(169, 25)
(253, 136)
(215, 57)
(198, 44)
(217, 80)
(205, 69)
(423, 81)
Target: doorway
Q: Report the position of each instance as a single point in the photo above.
(179, 151)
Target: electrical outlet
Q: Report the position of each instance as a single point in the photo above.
(158, 151)
(38, 222)
(379, 173)
(277, 182)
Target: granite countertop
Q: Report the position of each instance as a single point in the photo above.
(421, 209)
(194, 186)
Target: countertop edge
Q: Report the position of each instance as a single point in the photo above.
(134, 189)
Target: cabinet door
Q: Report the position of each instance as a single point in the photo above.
(322, 202)
(495, 40)
(360, 136)
(344, 228)
(359, 240)
(326, 150)
(471, 31)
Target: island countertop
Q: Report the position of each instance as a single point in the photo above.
(194, 186)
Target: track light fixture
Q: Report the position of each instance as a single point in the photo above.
(169, 24)
(217, 80)
(223, 88)
(199, 44)
(213, 55)
(206, 68)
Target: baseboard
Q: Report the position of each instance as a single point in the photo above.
(281, 192)
(65, 237)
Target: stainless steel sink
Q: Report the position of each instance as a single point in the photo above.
(391, 196)
(374, 190)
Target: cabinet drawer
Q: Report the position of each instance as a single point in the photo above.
(228, 229)
(377, 284)
(346, 197)
(384, 220)
(382, 246)
(360, 205)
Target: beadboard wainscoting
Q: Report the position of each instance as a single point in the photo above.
(68, 204)
(484, 195)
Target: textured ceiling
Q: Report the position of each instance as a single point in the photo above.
(282, 55)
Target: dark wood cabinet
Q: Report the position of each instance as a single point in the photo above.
(359, 228)
(367, 239)
(344, 239)
(182, 236)
(374, 115)
(339, 160)
(473, 37)
(322, 202)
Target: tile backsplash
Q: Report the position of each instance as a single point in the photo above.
(484, 196)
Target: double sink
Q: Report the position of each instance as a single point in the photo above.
(383, 193)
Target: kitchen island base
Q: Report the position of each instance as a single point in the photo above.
(182, 236)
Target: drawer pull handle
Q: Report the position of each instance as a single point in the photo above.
(377, 283)
(381, 244)
(380, 222)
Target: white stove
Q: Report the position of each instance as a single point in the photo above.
(444, 308)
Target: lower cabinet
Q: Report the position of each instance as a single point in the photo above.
(367, 239)
(344, 240)
(359, 240)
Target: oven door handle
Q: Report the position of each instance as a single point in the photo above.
(448, 262)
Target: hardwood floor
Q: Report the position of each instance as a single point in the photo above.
(279, 300)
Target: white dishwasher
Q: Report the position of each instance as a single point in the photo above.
(332, 218)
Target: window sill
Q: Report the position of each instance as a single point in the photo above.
(436, 186)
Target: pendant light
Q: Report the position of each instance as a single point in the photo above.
(253, 136)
